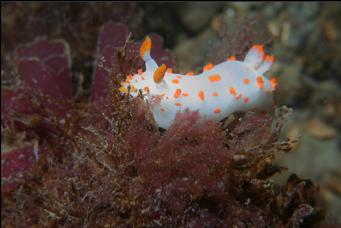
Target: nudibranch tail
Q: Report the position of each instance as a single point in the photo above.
(257, 59)
(266, 64)
(145, 48)
(255, 56)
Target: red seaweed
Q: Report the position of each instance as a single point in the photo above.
(106, 163)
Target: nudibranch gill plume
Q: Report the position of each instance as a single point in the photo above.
(215, 93)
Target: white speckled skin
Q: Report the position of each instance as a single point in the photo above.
(232, 74)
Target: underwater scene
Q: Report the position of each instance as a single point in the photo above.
(170, 114)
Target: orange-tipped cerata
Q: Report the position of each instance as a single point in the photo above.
(145, 46)
(260, 82)
(208, 66)
(159, 73)
(232, 58)
(259, 48)
(269, 58)
(273, 83)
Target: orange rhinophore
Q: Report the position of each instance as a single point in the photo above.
(145, 47)
(208, 66)
(159, 73)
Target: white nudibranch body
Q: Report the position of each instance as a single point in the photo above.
(216, 92)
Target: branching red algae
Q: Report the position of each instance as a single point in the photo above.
(106, 163)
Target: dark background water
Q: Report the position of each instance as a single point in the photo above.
(304, 37)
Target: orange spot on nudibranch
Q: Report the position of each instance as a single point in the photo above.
(178, 77)
(159, 73)
(178, 104)
(175, 81)
(217, 110)
(170, 70)
(232, 58)
(233, 91)
(185, 94)
(215, 78)
(208, 66)
(201, 95)
(215, 94)
(145, 47)
(246, 81)
(190, 73)
(260, 82)
(177, 93)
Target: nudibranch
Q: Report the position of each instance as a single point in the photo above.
(216, 92)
